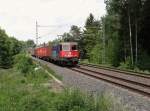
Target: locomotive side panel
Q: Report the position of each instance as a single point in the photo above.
(55, 53)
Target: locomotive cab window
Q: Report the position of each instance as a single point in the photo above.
(65, 47)
(74, 47)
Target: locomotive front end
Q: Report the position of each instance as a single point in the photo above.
(69, 53)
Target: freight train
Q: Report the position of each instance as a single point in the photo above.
(65, 53)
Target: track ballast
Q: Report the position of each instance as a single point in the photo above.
(133, 82)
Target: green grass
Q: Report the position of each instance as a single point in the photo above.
(51, 71)
(25, 93)
(15, 88)
(22, 89)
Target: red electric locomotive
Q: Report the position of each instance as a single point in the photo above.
(63, 53)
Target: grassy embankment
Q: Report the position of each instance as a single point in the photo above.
(23, 90)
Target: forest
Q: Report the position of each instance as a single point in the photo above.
(120, 38)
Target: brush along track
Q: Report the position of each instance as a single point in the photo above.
(122, 81)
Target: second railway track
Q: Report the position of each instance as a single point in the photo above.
(138, 84)
(127, 72)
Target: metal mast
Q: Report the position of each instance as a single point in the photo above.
(36, 33)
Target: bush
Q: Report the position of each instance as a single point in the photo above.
(73, 100)
(24, 63)
(36, 77)
(126, 65)
(34, 104)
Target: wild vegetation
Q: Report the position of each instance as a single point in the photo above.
(120, 38)
(23, 89)
(9, 47)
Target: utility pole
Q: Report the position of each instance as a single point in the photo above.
(36, 33)
(42, 26)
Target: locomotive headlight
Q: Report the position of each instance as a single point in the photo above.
(68, 54)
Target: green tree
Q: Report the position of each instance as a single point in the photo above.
(8, 48)
(5, 54)
(15, 46)
(91, 34)
(30, 43)
(66, 37)
(131, 33)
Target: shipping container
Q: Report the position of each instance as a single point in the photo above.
(43, 52)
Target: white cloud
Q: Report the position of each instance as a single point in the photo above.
(18, 17)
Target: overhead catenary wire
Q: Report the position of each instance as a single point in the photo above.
(46, 26)
(54, 26)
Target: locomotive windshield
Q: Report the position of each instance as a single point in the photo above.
(66, 47)
(74, 47)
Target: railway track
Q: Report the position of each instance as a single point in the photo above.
(144, 75)
(133, 82)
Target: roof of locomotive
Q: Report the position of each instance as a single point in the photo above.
(62, 43)
(68, 43)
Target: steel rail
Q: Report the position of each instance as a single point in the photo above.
(118, 70)
(112, 80)
(119, 78)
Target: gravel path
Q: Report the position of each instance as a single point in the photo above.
(74, 79)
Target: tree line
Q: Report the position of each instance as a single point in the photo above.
(10, 47)
(119, 38)
(127, 22)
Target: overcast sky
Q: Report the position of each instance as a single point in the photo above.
(18, 17)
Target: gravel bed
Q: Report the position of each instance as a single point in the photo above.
(114, 80)
(74, 79)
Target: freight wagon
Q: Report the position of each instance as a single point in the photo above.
(43, 52)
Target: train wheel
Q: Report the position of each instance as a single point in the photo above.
(63, 63)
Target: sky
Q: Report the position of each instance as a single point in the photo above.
(18, 17)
